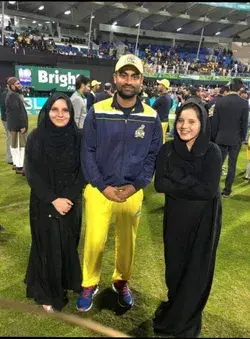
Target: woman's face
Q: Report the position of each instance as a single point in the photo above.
(59, 113)
(188, 126)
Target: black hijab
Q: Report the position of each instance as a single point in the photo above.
(59, 147)
(201, 144)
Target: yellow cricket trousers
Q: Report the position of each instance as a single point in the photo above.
(164, 126)
(98, 214)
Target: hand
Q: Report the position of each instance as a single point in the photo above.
(62, 205)
(126, 191)
(111, 193)
(22, 130)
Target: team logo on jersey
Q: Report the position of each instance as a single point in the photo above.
(140, 133)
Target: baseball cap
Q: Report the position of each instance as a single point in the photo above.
(164, 82)
(95, 82)
(129, 59)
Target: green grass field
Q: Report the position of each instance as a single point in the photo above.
(227, 313)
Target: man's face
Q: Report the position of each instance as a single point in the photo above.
(161, 88)
(17, 87)
(85, 89)
(128, 82)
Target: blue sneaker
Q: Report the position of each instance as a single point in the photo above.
(125, 296)
(85, 299)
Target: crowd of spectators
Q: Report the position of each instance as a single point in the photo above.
(158, 59)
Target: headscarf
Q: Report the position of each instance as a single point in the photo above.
(59, 145)
(200, 145)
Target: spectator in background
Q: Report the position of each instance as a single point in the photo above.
(107, 93)
(17, 123)
(163, 105)
(8, 156)
(211, 104)
(95, 85)
(79, 101)
(186, 93)
(245, 95)
(229, 128)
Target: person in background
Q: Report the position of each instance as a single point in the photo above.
(163, 105)
(188, 171)
(79, 101)
(186, 93)
(229, 128)
(107, 93)
(95, 85)
(121, 139)
(53, 172)
(8, 156)
(17, 123)
(222, 92)
(244, 94)
(144, 96)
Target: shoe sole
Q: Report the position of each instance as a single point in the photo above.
(114, 289)
(86, 310)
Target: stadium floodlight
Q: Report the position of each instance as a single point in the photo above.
(67, 12)
(41, 8)
(179, 29)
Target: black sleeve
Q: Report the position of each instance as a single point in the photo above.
(35, 181)
(73, 191)
(188, 186)
(13, 108)
(23, 115)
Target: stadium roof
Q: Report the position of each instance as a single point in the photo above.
(187, 17)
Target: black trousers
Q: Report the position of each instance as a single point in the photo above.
(233, 153)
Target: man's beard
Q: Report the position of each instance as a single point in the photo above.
(19, 91)
(125, 95)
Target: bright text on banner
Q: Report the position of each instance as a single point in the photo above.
(48, 78)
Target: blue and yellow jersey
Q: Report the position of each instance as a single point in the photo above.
(119, 149)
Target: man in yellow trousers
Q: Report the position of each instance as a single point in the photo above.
(163, 105)
(121, 139)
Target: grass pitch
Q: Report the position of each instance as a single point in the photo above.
(227, 314)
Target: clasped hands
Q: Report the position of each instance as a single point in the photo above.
(62, 205)
(119, 194)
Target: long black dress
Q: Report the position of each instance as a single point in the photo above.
(191, 228)
(53, 170)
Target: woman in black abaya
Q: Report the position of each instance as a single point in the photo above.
(53, 171)
(188, 171)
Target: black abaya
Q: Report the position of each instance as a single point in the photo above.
(53, 171)
(191, 229)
